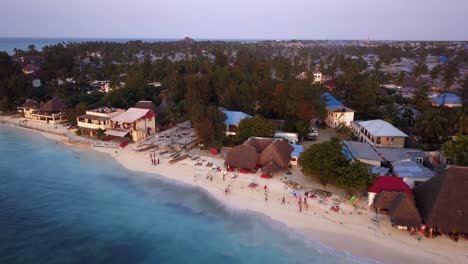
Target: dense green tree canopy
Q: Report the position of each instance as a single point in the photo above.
(457, 150)
(323, 161)
(256, 126)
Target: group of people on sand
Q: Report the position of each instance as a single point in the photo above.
(302, 203)
(154, 159)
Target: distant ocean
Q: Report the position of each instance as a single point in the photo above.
(60, 204)
(9, 44)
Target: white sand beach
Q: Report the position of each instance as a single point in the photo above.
(350, 230)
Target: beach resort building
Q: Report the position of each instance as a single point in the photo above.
(443, 201)
(378, 133)
(232, 121)
(96, 120)
(53, 112)
(337, 113)
(29, 108)
(268, 154)
(135, 123)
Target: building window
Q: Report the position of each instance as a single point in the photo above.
(378, 140)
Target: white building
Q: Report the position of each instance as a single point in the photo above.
(378, 133)
(97, 119)
(339, 115)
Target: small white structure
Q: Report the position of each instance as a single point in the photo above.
(36, 83)
(339, 115)
(317, 77)
(378, 133)
(292, 138)
(232, 121)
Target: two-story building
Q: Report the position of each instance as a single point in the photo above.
(378, 133)
(339, 116)
(337, 113)
(96, 120)
(135, 123)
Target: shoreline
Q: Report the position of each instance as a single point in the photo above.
(347, 232)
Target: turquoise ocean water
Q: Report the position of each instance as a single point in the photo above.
(60, 204)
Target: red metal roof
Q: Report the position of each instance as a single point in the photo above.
(391, 184)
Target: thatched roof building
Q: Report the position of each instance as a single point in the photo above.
(55, 105)
(278, 152)
(31, 104)
(443, 200)
(384, 199)
(403, 211)
(400, 207)
(271, 154)
(243, 156)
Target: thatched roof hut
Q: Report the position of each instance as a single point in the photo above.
(443, 200)
(403, 211)
(259, 144)
(55, 105)
(243, 156)
(278, 152)
(30, 104)
(400, 206)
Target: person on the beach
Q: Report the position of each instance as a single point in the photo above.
(115, 153)
(158, 161)
(266, 197)
(224, 176)
(283, 201)
(300, 205)
(265, 188)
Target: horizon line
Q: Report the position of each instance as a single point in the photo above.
(240, 39)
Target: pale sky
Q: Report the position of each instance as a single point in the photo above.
(237, 19)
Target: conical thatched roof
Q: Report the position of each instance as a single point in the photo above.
(443, 200)
(400, 206)
(278, 152)
(243, 156)
(403, 211)
(30, 104)
(54, 105)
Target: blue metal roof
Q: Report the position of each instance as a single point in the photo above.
(298, 149)
(234, 117)
(447, 98)
(331, 101)
(443, 59)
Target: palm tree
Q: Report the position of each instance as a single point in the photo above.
(431, 126)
